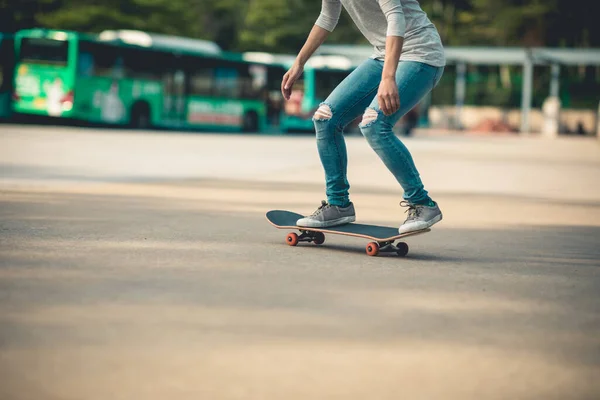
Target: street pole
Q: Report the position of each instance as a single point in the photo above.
(526, 93)
(460, 91)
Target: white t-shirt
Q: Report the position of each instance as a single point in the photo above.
(377, 19)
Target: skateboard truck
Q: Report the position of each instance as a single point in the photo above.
(372, 249)
(305, 236)
(400, 248)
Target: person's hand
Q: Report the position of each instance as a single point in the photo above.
(289, 79)
(388, 97)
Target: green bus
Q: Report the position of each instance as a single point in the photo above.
(136, 79)
(322, 73)
(7, 64)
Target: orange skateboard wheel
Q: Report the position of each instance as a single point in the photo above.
(373, 249)
(292, 239)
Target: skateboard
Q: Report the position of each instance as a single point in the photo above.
(383, 237)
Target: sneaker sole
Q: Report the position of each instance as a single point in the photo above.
(327, 224)
(427, 224)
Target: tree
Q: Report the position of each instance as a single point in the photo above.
(283, 25)
(276, 25)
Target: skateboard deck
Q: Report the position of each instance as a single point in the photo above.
(383, 237)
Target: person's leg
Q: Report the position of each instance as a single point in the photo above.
(347, 101)
(414, 81)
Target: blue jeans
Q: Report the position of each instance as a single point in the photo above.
(350, 99)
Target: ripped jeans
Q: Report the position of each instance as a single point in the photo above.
(357, 94)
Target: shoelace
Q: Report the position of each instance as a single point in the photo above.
(413, 211)
(319, 210)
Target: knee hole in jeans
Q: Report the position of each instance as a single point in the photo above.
(323, 113)
(369, 117)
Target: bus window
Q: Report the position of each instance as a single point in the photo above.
(201, 82)
(97, 59)
(6, 75)
(227, 83)
(6, 65)
(253, 82)
(326, 81)
(85, 64)
(44, 51)
(142, 64)
(275, 101)
(258, 76)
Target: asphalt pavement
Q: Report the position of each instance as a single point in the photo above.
(140, 265)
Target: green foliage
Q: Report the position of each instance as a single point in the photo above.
(274, 24)
(516, 22)
(282, 25)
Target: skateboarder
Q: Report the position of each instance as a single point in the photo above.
(408, 62)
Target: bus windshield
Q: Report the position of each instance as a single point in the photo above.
(44, 51)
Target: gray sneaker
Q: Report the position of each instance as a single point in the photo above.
(327, 215)
(419, 217)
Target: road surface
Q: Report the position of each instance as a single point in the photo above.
(140, 265)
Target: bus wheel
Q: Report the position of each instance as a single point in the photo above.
(140, 116)
(250, 122)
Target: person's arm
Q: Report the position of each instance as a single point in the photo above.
(387, 96)
(327, 21)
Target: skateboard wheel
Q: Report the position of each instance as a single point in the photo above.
(402, 249)
(319, 238)
(372, 249)
(292, 239)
